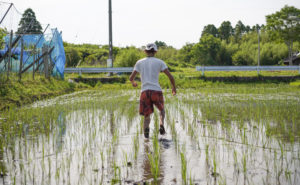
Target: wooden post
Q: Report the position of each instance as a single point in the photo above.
(9, 54)
(33, 64)
(21, 60)
(10, 47)
(46, 61)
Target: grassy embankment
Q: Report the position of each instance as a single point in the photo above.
(14, 93)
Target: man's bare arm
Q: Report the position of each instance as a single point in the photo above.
(131, 78)
(171, 78)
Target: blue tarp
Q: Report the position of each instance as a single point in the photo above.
(39, 40)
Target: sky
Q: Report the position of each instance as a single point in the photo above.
(138, 22)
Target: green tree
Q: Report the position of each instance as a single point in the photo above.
(207, 50)
(210, 29)
(160, 44)
(272, 53)
(239, 29)
(285, 25)
(167, 54)
(225, 30)
(185, 53)
(225, 54)
(241, 57)
(246, 53)
(29, 24)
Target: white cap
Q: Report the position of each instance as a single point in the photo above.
(151, 46)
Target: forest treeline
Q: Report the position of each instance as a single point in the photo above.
(222, 45)
(238, 49)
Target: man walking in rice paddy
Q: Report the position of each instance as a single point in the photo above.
(149, 69)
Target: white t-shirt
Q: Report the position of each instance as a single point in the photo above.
(149, 69)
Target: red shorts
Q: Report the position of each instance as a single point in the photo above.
(147, 99)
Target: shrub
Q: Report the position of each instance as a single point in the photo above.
(128, 57)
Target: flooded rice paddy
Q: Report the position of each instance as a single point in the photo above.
(96, 137)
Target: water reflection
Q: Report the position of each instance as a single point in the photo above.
(146, 162)
(166, 143)
(61, 132)
(2, 164)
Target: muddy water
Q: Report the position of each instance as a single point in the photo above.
(97, 138)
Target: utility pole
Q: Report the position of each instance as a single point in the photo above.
(110, 57)
(258, 58)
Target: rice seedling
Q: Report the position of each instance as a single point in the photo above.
(136, 145)
(214, 173)
(117, 174)
(183, 168)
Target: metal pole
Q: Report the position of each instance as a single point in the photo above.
(34, 55)
(21, 60)
(110, 57)
(9, 64)
(11, 4)
(258, 59)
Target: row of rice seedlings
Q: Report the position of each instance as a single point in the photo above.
(136, 144)
(180, 148)
(183, 167)
(154, 157)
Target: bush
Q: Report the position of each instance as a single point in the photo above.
(72, 57)
(128, 57)
(272, 53)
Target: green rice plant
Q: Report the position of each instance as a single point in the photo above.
(174, 132)
(235, 159)
(136, 145)
(116, 174)
(288, 175)
(125, 157)
(191, 181)
(57, 173)
(115, 137)
(141, 124)
(49, 168)
(183, 168)
(182, 115)
(244, 137)
(191, 131)
(207, 153)
(3, 170)
(244, 163)
(214, 173)
(154, 158)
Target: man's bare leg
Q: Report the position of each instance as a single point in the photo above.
(162, 117)
(146, 126)
(146, 121)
